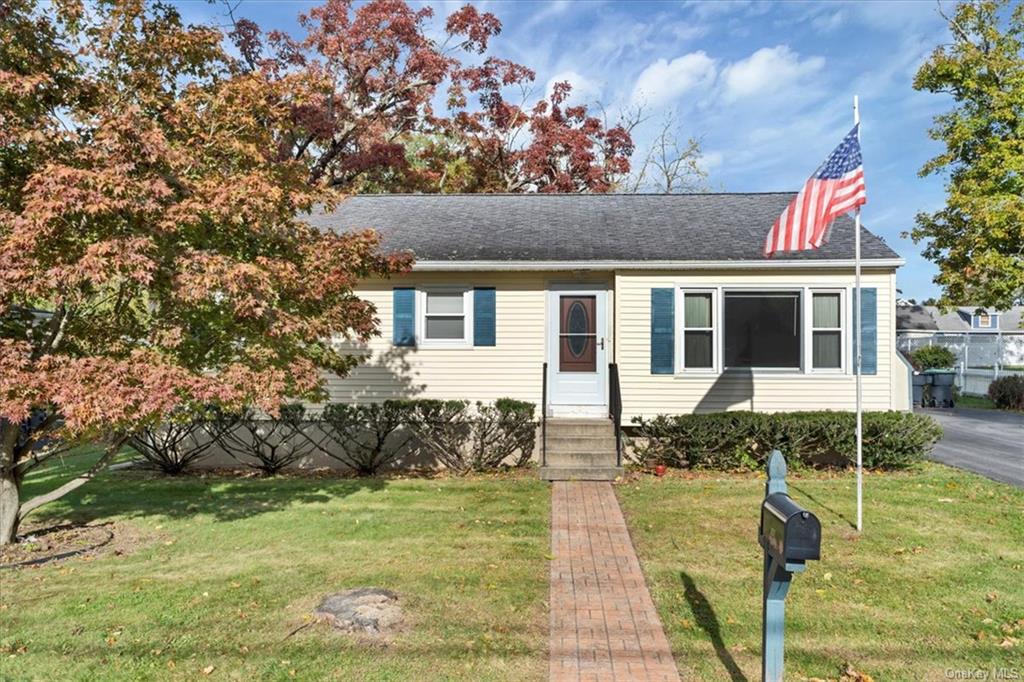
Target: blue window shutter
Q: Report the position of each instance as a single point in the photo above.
(662, 331)
(869, 330)
(483, 317)
(404, 317)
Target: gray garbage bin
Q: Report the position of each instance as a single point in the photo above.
(940, 383)
(920, 381)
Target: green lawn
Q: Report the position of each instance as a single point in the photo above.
(228, 567)
(975, 401)
(935, 582)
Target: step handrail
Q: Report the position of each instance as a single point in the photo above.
(615, 408)
(544, 416)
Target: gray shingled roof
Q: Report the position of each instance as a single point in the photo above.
(914, 317)
(584, 227)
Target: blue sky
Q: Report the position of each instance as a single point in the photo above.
(768, 87)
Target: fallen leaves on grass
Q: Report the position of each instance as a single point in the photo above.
(851, 674)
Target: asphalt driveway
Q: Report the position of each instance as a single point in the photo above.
(987, 442)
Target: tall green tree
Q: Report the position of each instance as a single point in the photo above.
(977, 238)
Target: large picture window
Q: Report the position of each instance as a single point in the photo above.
(762, 329)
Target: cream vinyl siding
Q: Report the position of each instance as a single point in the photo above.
(512, 368)
(648, 394)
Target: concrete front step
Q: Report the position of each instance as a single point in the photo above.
(579, 427)
(602, 458)
(581, 443)
(580, 450)
(583, 473)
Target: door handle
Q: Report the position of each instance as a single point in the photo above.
(602, 343)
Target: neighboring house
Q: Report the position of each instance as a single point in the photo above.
(927, 319)
(986, 343)
(672, 291)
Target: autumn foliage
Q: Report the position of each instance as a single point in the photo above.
(150, 254)
(369, 123)
(152, 251)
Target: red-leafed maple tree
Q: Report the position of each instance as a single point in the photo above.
(368, 121)
(150, 254)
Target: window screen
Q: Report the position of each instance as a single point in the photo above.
(762, 329)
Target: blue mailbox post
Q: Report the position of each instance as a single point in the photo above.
(790, 536)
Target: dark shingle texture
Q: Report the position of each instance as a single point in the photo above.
(574, 227)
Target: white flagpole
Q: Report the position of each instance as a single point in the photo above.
(857, 360)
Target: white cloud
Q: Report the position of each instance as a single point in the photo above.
(829, 21)
(710, 160)
(663, 81)
(584, 90)
(550, 11)
(768, 69)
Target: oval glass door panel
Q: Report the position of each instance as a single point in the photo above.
(577, 334)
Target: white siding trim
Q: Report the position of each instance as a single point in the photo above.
(573, 265)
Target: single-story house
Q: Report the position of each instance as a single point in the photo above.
(575, 301)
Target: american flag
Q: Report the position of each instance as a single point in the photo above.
(837, 187)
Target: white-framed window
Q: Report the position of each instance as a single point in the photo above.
(445, 316)
(698, 343)
(827, 333)
(762, 329)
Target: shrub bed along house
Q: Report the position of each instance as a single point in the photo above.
(365, 438)
(743, 440)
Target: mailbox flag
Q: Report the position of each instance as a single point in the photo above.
(836, 188)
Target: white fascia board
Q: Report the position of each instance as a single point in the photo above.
(514, 265)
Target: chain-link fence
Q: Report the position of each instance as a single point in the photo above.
(980, 357)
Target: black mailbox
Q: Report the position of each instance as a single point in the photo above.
(788, 531)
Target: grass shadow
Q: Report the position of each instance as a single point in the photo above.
(221, 497)
(135, 494)
(821, 504)
(708, 622)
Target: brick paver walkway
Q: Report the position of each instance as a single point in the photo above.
(603, 622)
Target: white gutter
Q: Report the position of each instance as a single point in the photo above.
(517, 265)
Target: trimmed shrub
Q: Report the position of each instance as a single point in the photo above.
(1008, 392)
(442, 428)
(933, 357)
(743, 440)
(266, 443)
(480, 440)
(175, 445)
(498, 432)
(367, 436)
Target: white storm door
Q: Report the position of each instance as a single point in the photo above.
(577, 347)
